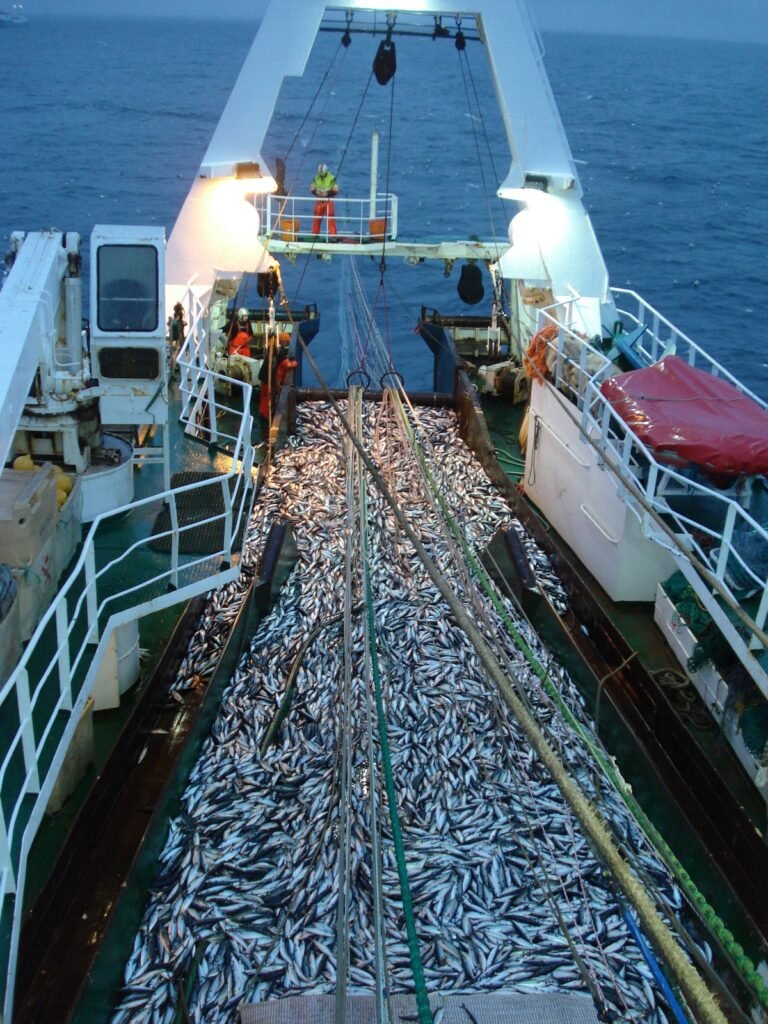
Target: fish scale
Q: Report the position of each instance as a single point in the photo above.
(484, 826)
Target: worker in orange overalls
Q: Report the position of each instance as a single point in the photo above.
(274, 370)
(242, 339)
(325, 187)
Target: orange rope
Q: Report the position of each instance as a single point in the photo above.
(534, 360)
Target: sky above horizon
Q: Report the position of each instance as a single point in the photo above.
(714, 19)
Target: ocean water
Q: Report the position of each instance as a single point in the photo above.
(107, 120)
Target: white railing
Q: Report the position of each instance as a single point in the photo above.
(708, 525)
(663, 338)
(43, 700)
(292, 219)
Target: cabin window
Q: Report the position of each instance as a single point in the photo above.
(127, 288)
(129, 363)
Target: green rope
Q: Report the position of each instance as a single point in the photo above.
(503, 453)
(734, 949)
(422, 998)
(696, 992)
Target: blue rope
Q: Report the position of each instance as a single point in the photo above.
(650, 959)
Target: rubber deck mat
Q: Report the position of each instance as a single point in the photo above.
(193, 507)
(488, 1008)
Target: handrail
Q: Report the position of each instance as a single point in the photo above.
(44, 704)
(674, 340)
(578, 369)
(291, 218)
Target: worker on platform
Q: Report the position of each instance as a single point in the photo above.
(325, 187)
(272, 375)
(177, 326)
(242, 337)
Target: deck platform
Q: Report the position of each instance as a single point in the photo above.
(411, 252)
(485, 1008)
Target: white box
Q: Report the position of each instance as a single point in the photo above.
(708, 682)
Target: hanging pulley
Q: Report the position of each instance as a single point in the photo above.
(461, 41)
(470, 286)
(385, 61)
(346, 39)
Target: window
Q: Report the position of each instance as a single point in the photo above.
(129, 363)
(127, 288)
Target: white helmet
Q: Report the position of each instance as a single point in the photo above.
(242, 313)
(322, 169)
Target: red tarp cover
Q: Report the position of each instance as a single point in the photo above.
(688, 415)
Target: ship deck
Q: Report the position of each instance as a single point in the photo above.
(188, 457)
(104, 979)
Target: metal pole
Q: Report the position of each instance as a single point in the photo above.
(374, 173)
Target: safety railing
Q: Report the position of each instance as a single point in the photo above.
(294, 218)
(676, 505)
(43, 700)
(663, 338)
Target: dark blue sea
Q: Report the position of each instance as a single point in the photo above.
(108, 120)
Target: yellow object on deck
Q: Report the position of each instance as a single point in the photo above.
(289, 229)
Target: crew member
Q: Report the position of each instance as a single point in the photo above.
(240, 342)
(178, 327)
(272, 374)
(325, 187)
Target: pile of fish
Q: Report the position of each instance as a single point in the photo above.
(505, 886)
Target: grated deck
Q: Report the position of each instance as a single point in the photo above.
(485, 1008)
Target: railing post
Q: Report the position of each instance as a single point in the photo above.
(214, 435)
(62, 643)
(24, 704)
(582, 377)
(174, 516)
(6, 864)
(91, 601)
(762, 614)
(605, 421)
(559, 363)
(227, 498)
(626, 451)
(650, 487)
(725, 544)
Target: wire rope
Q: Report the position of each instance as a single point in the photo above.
(309, 254)
(481, 614)
(345, 834)
(476, 112)
(383, 1014)
(424, 1012)
(598, 755)
(518, 770)
(318, 122)
(693, 987)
